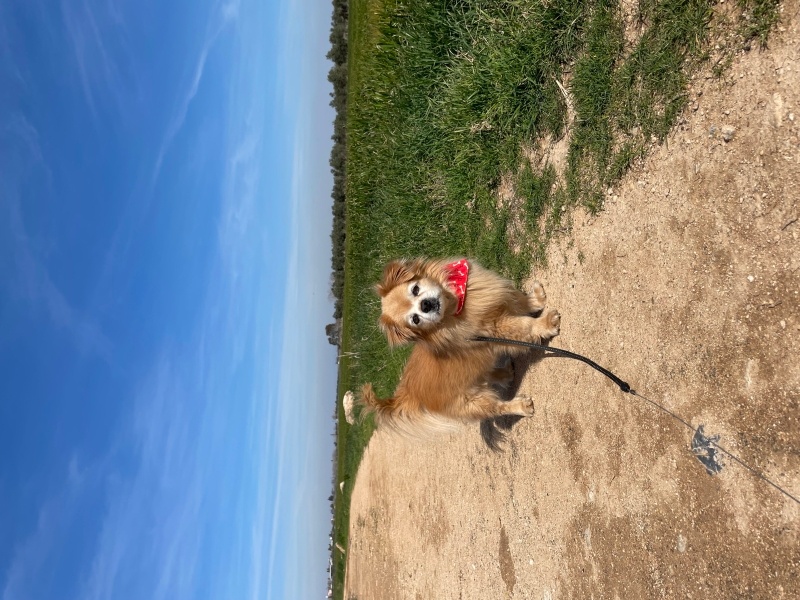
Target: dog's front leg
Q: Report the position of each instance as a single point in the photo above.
(536, 298)
(530, 329)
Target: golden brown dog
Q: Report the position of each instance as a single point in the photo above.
(441, 305)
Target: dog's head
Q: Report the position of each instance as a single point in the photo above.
(414, 300)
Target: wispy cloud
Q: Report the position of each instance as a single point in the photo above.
(219, 19)
(97, 41)
(161, 508)
(176, 122)
(148, 544)
(137, 205)
(230, 10)
(266, 518)
(196, 441)
(8, 61)
(28, 277)
(26, 575)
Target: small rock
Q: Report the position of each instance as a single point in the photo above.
(681, 545)
(750, 278)
(727, 133)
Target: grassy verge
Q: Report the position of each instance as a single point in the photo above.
(474, 125)
(350, 440)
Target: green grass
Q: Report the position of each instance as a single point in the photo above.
(450, 99)
(351, 440)
(759, 16)
(627, 97)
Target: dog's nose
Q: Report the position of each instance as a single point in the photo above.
(429, 305)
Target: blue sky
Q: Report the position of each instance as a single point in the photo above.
(167, 387)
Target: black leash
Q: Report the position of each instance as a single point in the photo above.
(703, 447)
(625, 387)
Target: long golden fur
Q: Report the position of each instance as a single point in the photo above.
(449, 378)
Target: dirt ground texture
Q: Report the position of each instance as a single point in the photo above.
(687, 285)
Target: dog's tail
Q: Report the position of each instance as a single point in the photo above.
(390, 413)
(371, 404)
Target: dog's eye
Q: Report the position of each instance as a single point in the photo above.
(415, 318)
(415, 292)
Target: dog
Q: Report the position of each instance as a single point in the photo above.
(440, 306)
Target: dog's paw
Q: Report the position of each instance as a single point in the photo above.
(552, 321)
(537, 298)
(527, 408)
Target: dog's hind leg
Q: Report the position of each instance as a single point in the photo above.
(486, 404)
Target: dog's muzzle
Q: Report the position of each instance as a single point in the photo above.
(429, 305)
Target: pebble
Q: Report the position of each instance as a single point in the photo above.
(727, 133)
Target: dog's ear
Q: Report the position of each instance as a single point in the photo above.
(395, 273)
(396, 334)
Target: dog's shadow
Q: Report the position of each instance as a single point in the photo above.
(493, 431)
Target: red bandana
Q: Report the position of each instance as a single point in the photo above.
(457, 274)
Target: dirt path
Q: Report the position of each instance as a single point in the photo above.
(688, 286)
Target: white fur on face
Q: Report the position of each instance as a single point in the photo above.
(427, 303)
(418, 305)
